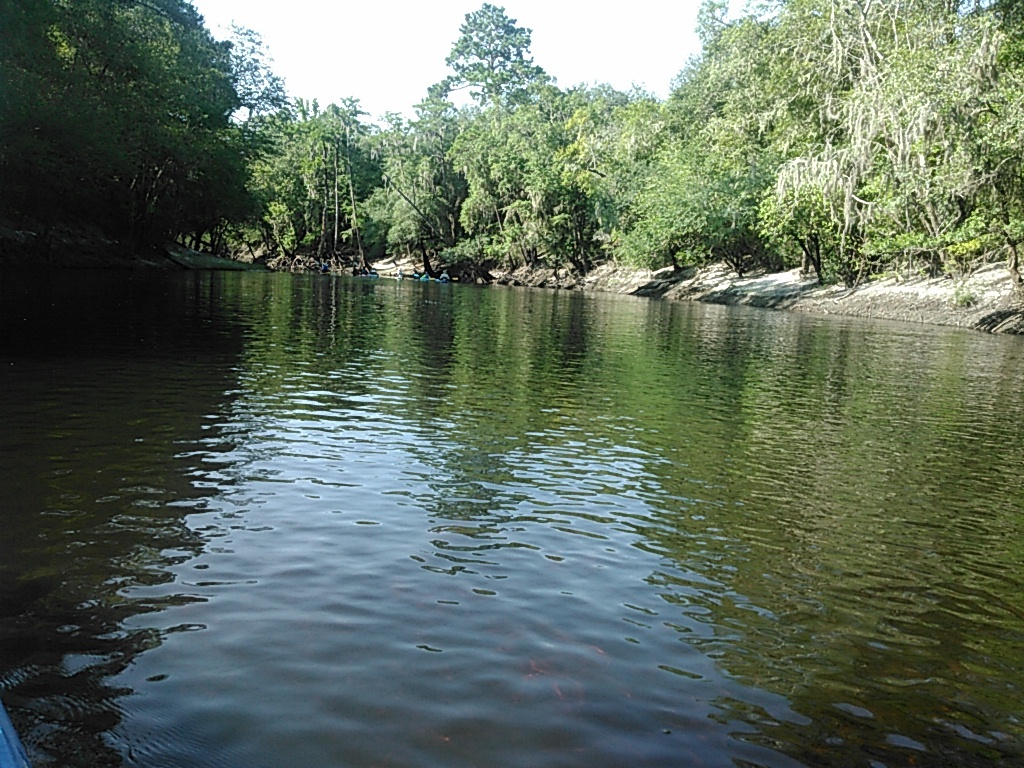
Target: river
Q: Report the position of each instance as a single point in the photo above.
(268, 520)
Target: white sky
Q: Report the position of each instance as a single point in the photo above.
(387, 52)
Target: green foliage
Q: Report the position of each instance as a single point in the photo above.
(614, 139)
(700, 195)
(491, 57)
(314, 182)
(117, 114)
(260, 91)
(526, 199)
(851, 138)
(419, 205)
(964, 297)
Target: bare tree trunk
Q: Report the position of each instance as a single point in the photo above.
(1013, 262)
(324, 199)
(352, 197)
(426, 261)
(337, 205)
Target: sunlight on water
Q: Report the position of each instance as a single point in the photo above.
(329, 522)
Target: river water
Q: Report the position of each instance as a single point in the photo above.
(267, 520)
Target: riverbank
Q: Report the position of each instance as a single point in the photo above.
(982, 301)
(85, 247)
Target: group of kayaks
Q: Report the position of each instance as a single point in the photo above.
(420, 276)
(425, 278)
(12, 753)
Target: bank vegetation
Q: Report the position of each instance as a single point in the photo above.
(848, 138)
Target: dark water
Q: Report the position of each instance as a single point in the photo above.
(261, 521)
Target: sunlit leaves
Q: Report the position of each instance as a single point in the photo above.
(315, 179)
(259, 90)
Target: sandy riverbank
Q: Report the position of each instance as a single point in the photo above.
(983, 301)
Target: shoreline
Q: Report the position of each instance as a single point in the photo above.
(982, 301)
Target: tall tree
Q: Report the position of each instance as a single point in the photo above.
(699, 195)
(260, 91)
(420, 203)
(492, 57)
(314, 183)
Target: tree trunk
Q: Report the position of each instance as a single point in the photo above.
(321, 245)
(811, 248)
(337, 205)
(1013, 265)
(426, 261)
(352, 198)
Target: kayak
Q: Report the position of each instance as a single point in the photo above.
(12, 754)
(428, 278)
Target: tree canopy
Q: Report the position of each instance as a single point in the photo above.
(492, 56)
(849, 138)
(118, 114)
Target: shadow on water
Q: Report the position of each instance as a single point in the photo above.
(106, 384)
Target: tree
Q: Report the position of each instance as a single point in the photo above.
(614, 139)
(314, 183)
(420, 203)
(260, 91)
(700, 192)
(528, 200)
(907, 162)
(150, 146)
(491, 57)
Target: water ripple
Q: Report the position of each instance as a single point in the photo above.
(502, 528)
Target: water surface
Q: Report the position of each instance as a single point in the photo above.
(268, 520)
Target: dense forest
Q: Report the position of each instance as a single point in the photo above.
(849, 137)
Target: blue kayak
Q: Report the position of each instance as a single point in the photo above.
(12, 754)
